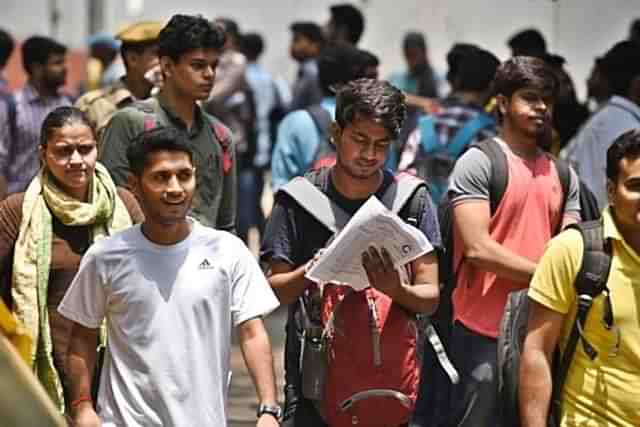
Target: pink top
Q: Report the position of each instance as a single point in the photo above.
(527, 217)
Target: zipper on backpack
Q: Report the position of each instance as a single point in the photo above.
(375, 331)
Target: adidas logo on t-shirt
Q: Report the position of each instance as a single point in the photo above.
(205, 265)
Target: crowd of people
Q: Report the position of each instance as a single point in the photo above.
(125, 218)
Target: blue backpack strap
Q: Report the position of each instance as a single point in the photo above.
(428, 136)
(466, 134)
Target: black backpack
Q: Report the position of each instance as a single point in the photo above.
(590, 282)
(497, 186)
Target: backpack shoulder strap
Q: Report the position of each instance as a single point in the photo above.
(590, 282)
(400, 191)
(564, 175)
(321, 118)
(428, 136)
(467, 132)
(499, 170)
(316, 202)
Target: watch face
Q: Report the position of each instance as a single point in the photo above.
(274, 410)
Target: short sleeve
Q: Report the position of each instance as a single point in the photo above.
(552, 283)
(471, 177)
(429, 223)
(251, 294)
(277, 243)
(572, 206)
(86, 299)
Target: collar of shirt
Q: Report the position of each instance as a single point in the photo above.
(625, 104)
(612, 232)
(179, 123)
(31, 95)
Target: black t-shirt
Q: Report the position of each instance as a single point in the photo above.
(293, 235)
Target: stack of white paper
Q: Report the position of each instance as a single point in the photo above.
(372, 225)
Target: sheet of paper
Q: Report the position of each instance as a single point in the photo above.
(372, 225)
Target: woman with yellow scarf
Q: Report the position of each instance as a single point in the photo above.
(45, 231)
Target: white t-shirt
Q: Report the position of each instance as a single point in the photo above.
(169, 312)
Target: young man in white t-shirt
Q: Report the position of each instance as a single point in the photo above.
(170, 290)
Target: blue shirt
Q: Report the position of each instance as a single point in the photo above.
(296, 144)
(588, 150)
(264, 94)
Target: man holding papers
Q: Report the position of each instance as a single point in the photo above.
(369, 116)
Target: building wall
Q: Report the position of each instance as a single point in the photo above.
(579, 30)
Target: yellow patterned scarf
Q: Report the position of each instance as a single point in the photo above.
(104, 212)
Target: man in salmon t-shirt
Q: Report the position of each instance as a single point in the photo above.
(496, 253)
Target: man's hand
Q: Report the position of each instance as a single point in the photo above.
(267, 420)
(380, 271)
(85, 416)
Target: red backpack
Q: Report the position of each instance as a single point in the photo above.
(373, 370)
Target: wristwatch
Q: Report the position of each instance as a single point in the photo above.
(274, 410)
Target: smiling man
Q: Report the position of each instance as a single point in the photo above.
(171, 289)
(189, 48)
(500, 246)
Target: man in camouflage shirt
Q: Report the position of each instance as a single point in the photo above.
(139, 52)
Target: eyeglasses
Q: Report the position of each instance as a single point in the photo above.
(66, 151)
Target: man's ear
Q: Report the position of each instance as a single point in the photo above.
(42, 152)
(334, 133)
(166, 64)
(502, 102)
(611, 192)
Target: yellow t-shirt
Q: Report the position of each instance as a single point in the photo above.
(605, 391)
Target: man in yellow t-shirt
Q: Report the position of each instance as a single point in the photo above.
(605, 391)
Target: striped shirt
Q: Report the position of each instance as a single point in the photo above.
(19, 160)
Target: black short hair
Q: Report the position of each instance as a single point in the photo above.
(414, 39)
(230, 27)
(477, 70)
(626, 146)
(6, 47)
(528, 42)
(151, 141)
(350, 18)
(376, 99)
(620, 66)
(455, 55)
(310, 30)
(634, 31)
(185, 33)
(522, 72)
(338, 64)
(38, 49)
(60, 117)
(252, 45)
(138, 48)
